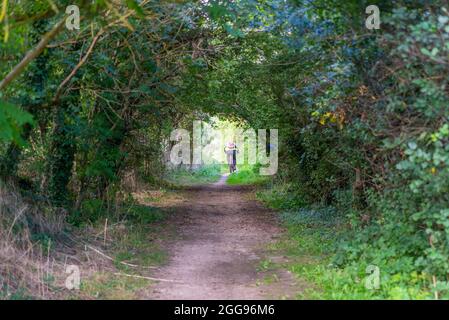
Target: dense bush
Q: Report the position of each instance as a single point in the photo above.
(362, 118)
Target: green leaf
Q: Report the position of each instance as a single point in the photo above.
(217, 11)
(132, 4)
(234, 32)
(12, 119)
(412, 145)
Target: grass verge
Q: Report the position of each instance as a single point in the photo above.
(135, 247)
(202, 175)
(113, 254)
(247, 175)
(312, 242)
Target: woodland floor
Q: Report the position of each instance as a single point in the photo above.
(220, 251)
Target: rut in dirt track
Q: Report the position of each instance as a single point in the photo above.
(223, 239)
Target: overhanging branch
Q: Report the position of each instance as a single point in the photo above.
(31, 55)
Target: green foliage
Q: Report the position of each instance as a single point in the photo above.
(204, 174)
(406, 234)
(377, 153)
(247, 175)
(314, 241)
(91, 210)
(282, 196)
(107, 118)
(19, 294)
(107, 286)
(362, 118)
(132, 4)
(12, 119)
(140, 214)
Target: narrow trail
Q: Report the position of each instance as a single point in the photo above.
(223, 239)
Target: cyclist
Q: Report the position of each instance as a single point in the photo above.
(231, 156)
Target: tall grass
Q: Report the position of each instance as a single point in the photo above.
(26, 267)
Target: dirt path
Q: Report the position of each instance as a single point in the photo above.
(223, 237)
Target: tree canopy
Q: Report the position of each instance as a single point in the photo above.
(362, 114)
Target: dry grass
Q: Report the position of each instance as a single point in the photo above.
(35, 250)
(26, 267)
(158, 198)
(37, 245)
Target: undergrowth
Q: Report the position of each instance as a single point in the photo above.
(247, 175)
(316, 239)
(112, 251)
(204, 174)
